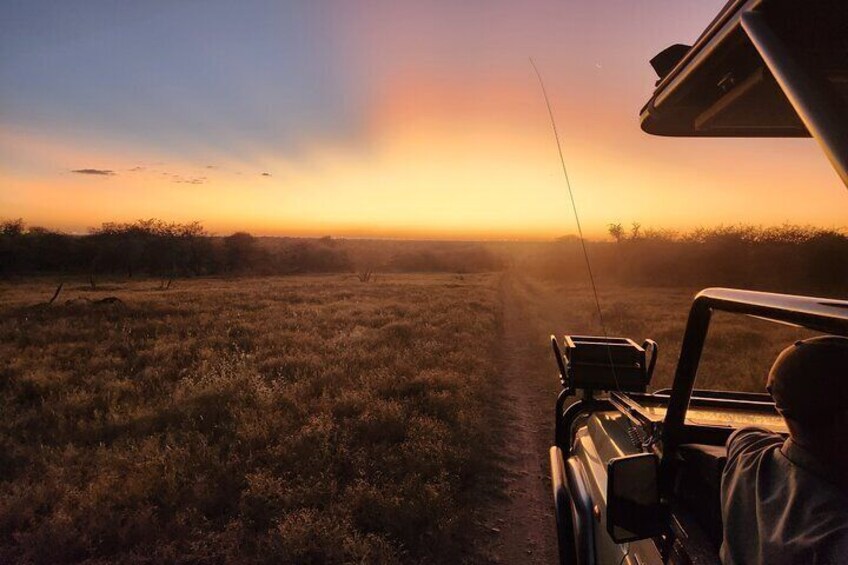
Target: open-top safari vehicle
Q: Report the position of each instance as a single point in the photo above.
(636, 475)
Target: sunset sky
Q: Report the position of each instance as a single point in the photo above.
(363, 118)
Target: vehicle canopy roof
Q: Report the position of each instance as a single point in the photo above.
(763, 68)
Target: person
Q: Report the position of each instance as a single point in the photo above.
(786, 501)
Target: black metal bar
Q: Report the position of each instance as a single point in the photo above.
(632, 410)
(764, 405)
(808, 96)
(651, 345)
(724, 394)
(581, 512)
(562, 364)
(562, 507)
(820, 314)
(684, 377)
(827, 315)
(560, 416)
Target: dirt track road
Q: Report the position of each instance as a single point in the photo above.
(523, 523)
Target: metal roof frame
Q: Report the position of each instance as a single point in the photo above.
(743, 25)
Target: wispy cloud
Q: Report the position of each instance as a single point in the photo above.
(192, 180)
(174, 177)
(101, 172)
(181, 179)
(188, 180)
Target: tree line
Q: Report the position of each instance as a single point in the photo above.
(154, 248)
(784, 258)
(787, 258)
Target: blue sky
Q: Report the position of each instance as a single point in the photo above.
(190, 77)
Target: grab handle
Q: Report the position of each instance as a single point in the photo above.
(650, 345)
(561, 360)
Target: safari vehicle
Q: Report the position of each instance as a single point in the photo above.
(636, 475)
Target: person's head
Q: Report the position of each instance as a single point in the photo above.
(809, 384)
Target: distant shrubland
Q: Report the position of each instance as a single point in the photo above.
(783, 258)
(155, 248)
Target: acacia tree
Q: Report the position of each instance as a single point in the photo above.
(239, 251)
(11, 232)
(616, 231)
(151, 246)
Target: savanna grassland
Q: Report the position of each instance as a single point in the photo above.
(290, 420)
(309, 418)
(738, 353)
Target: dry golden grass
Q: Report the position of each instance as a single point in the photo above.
(304, 419)
(299, 419)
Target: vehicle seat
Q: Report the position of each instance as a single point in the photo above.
(698, 485)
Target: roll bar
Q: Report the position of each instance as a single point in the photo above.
(820, 314)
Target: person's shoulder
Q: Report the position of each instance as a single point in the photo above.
(751, 440)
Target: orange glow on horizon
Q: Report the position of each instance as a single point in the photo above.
(431, 177)
(440, 148)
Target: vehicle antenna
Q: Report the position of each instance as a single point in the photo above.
(576, 217)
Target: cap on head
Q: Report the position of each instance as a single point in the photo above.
(809, 379)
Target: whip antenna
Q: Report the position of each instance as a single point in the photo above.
(576, 216)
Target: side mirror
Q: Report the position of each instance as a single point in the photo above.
(634, 510)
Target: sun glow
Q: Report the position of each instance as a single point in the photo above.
(426, 131)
